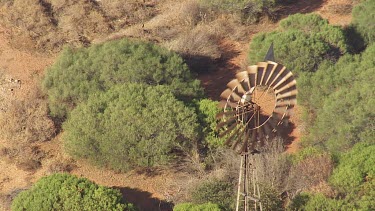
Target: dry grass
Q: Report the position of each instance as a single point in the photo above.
(26, 120)
(49, 24)
(311, 172)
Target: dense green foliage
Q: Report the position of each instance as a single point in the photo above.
(68, 192)
(207, 110)
(128, 126)
(80, 72)
(363, 19)
(306, 201)
(196, 207)
(355, 168)
(342, 96)
(302, 43)
(217, 192)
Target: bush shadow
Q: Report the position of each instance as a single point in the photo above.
(214, 74)
(144, 200)
(299, 7)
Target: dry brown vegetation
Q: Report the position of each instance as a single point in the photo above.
(49, 24)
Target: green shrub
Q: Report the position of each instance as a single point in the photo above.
(68, 192)
(207, 110)
(270, 199)
(78, 73)
(354, 167)
(301, 43)
(344, 103)
(293, 48)
(130, 125)
(363, 20)
(217, 192)
(306, 201)
(315, 25)
(196, 207)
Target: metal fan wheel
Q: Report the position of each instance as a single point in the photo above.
(255, 103)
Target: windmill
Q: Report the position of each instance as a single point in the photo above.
(255, 104)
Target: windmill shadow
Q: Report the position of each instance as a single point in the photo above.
(285, 132)
(144, 200)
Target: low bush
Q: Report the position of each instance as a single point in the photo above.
(68, 192)
(78, 73)
(24, 121)
(355, 168)
(206, 110)
(307, 201)
(130, 125)
(215, 191)
(196, 207)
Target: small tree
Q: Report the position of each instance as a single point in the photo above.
(68, 192)
(132, 125)
(207, 110)
(215, 191)
(78, 73)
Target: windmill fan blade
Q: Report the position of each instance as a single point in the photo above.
(222, 124)
(287, 94)
(289, 102)
(229, 129)
(233, 84)
(284, 111)
(286, 86)
(267, 72)
(226, 94)
(252, 71)
(275, 66)
(262, 67)
(278, 75)
(236, 97)
(232, 136)
(242, 76)
(225, 113)
(238, 140)
(286, 77)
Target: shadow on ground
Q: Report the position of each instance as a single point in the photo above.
(144, 200)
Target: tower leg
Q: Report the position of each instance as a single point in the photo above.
(248, 189)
